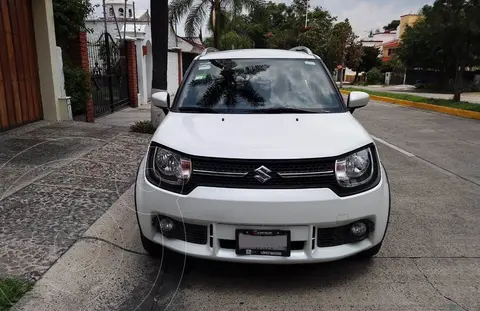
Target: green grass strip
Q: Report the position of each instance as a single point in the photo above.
(11, 290)
(420, 99)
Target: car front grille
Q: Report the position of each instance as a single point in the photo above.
(276, 174)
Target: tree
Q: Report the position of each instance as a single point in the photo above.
(354, 55)
(69, 17)
(392, 26)
(369, 60)
(447, 39)
(395, 64)
(197, 12)
(374, 76)
(342, 39)
(232, 40)
(317, 36)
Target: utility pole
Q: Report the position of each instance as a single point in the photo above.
(134, 21)
(160, 32)
(107, 50)
(306, 14)
(125, 20)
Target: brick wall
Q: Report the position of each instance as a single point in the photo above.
(78, 54)
(132, 73)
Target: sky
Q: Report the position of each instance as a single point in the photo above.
(364, 15)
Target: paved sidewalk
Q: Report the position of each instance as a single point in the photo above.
(471, 97)
(56, 180)
(127, 116)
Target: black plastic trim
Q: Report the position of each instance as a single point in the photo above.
(335, 236)
(389, 202)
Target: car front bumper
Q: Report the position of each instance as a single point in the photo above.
(301, 211)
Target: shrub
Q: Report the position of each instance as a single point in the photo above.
(143, 127)
(77, 86)
(374, 76)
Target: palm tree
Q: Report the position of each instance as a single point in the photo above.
(196, 12)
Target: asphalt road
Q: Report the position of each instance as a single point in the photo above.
(430, 259)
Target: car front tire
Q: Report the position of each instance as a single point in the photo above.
(369, 253)
(152, 248)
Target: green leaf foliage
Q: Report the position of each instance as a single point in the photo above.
(145, 127)
(374, 76)
(215, 12)
(77, 86)
(11, 290)
(446, 39)
(69, 18)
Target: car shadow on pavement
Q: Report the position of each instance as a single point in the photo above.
(222, 277)
(180, 273)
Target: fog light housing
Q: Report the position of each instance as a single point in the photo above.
(358, 229)
(166, 224)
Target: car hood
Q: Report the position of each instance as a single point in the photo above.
(262, 136)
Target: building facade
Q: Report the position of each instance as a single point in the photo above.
(389, 48)
(121, 22)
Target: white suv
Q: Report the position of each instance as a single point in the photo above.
(258, 159)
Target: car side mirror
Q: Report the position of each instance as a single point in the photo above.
(357, 100)
(161, 100)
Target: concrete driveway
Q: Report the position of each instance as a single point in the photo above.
(430, 259)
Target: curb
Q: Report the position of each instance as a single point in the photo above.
(441, 109)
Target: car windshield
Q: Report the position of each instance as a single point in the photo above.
(258, 86)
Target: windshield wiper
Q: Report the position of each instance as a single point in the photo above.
(281, 110)
(197, 109)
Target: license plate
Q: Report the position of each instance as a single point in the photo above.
(263, 242)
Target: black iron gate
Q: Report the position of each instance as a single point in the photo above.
(109, 71)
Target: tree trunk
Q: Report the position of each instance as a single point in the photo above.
(216, 25)
(356, 76)
(341, 76)
(457, 88)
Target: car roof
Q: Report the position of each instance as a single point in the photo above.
(256, 53)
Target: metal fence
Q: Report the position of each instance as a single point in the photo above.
(108, 66)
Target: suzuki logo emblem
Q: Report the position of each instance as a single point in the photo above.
(262, 174)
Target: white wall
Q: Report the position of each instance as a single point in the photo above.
(173, 61)
(98, 27)
(172, 73)
(385, 37)
(48, 67)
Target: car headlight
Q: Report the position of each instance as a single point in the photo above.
(170, 167)
(355, 169)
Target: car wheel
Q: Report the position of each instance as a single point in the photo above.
(152, 248)
(369, 253)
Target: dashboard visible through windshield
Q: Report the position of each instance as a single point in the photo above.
(258, 86)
